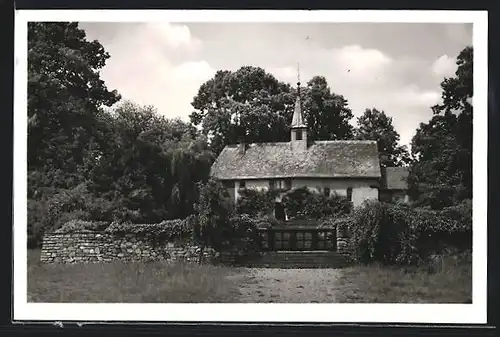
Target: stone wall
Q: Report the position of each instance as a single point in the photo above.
(104, 247)
(342, 241)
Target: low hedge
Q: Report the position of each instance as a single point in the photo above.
(155, 233)
(399, 235)
(82, 226)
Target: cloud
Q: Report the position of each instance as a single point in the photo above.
(360, 63)
(444, 66)
(165, 64)
(155, 64)
(369, 78)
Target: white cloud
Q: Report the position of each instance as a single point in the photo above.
(444, 66)
(165, 64)
(414, 96)
(375, 80)
(286, 74)
(142, 66)
(361, 62)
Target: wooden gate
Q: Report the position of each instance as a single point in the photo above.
(298, 239)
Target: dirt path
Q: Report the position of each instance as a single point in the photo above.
(288, 285)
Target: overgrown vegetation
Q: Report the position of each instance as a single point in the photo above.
(300, 203)
(396, 234)
(441, 174)
(97, 160)
(256, 203)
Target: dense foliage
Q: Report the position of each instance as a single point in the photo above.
(212, 211)
(256, 202)
(441, 175)
(300, 203)
(81, 226)
(253, 104)
(401, 235)
(93, 159)
(155, 233)
(126, 163)
(376, 125)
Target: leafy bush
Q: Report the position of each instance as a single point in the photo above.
(212, 211)
(49, 213)
(300, 203)
(341, 224)
(244, 235)
(81, 226)
(256, 202)
(156, 233)
(400, 235)
(266, 221)
(37, 210)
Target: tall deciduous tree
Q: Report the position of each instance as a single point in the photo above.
(442, 172)
(376, 125)
(151, 164)
(65, 93)
(327, 114)
(253, 104)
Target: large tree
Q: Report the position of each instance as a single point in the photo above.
(376, 125)
(65, 93)
(442, 172)
(150, 166)
(253, 104)
(327, 114)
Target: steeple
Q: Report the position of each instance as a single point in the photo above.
(298, 128)
(297, 119)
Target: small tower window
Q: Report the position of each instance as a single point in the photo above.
(326, 191)
(298, 135)
(349, 194)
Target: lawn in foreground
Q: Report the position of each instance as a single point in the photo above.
(159, 282)
(377, 284)
(120, 282)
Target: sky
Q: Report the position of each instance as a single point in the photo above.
(394, 67)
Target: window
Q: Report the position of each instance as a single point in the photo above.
(288, 184)
(228, 184)
(349, 194)
(272, 184)
(298, 135)
(242, 183)
(327, 191)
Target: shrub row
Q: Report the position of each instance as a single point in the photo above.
(300, 203)
(155, 233)
(399, 235)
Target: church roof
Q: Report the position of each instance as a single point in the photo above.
(322, 159)
(394, 178)
(298, 119)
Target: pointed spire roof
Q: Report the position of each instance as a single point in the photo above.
(298, 119)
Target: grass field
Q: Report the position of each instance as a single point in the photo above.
(161, 282)
(128, 283)
(450, 283)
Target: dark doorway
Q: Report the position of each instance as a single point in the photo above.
(279, 211)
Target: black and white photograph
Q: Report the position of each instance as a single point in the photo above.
(277, 160)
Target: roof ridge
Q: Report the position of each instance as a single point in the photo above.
(344, 141)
